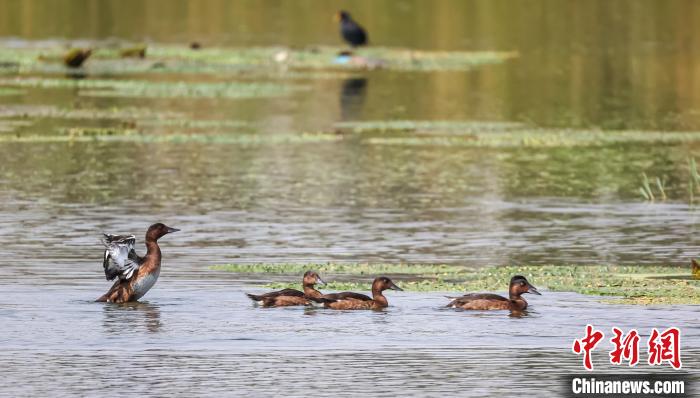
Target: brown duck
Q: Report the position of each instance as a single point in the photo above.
(357, 301)
(137, 275)
(290, 297)
(486, 301)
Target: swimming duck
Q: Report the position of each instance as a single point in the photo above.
(351, 31)
(357, 301)
(289, 297)
(136, 275)
(486, 301)
(75, 57)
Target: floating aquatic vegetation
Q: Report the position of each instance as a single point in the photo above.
(150, 89)
(428, 126)
(48, 57)
(499, 134)
(116, 134)
(10, 91)
(628, 284)
(342, 268)
(194, 123)
(54, 112)
(7, 126)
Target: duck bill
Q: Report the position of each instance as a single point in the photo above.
(533, 290)
(320, 281)
(394, 287)
(336, 17)
(171, 230)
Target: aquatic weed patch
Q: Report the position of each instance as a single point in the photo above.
(623, 284)
(123, 134)
(326, 57)
(109, 58)
(498, 134)
(151, 89)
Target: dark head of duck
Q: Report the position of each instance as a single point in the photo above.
(312, 278)
(383, 283)
(342, 16)
(157, 231)
(519, 285)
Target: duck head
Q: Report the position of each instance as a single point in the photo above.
(519, 285)
(312, 278)
(342, 16)
(383, 283)
(158, 230)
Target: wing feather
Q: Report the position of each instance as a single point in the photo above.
(120, 260)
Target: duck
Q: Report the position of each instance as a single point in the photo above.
(351, 31)
(291, 297)
(134, 275)
(75, 57)
(487, 301)
(357, 301)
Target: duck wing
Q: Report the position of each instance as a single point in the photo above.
(347, 296)
(120, 259)
(475, 296)
(278, 293)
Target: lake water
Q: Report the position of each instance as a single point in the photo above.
(627, 65)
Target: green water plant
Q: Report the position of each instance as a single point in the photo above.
(644, 285)
(156, 89)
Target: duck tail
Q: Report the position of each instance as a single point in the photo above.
(254, 297)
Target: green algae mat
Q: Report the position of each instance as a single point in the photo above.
(643, 285)
(109, 58)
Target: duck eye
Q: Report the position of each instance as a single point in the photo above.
(522, 283)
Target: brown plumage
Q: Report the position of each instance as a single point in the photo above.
(145, 276)
(289, 297)
(357, 301)
(486, 301)
(696, 269)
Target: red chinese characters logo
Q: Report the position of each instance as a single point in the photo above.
(662, 347)
(665, 346)
(627, 348)
(587, 344)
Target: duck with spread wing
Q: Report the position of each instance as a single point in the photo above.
(135, 275)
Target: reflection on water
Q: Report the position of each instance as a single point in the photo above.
(352, 98)
(131, 318)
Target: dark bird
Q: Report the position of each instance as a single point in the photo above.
(357, 301)
(75, 57)
(486, 301)
(289, 297)
(136, 275)
(351, 31)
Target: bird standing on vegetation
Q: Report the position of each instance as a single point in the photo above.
(137, 275)
(76, 56)
(351, 31)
